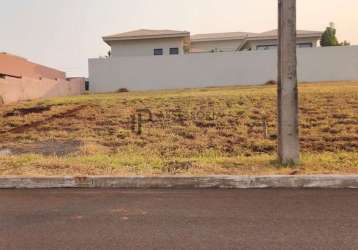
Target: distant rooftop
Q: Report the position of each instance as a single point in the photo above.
(12, 55)
(248, 35)
(146, 34)
(299, 33)
(16, 66)
(227, 35)
(152, 34)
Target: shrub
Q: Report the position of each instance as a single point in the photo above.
(122, 90)
(271, 82)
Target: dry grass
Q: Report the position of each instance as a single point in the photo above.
(199, 131)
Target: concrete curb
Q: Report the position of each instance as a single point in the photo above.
(228, 182)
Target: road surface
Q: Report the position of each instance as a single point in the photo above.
(178, 219)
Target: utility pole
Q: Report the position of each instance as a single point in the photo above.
(288, 138)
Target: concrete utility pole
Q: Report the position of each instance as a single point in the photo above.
(288, 139)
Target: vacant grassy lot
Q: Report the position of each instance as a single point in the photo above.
(228, 130)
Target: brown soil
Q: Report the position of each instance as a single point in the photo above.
(25, 111)
(22, 129)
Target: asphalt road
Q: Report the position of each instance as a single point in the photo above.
(178, 219)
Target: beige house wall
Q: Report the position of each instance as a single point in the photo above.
(232, 45)
(145, 47)
(253, 44)
(21, 89)
(227, 45)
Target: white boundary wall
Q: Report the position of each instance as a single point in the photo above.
(218, 69)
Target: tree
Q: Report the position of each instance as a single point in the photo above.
(329, 36)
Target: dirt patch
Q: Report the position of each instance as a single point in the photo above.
(47, 148)
(25, 111)
(5, 152)
(68, 113)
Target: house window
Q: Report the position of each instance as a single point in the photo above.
(305, 45)
(174, 51)
(158, 52)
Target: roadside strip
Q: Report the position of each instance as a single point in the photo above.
(170, 182)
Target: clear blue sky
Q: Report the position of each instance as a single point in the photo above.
(65, 33)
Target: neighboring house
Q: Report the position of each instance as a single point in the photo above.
(22, 80)
(238, 41)
(170, 42)
(149, 43)
(15, 66)
(247, 59)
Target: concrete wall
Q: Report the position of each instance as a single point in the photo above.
(145, 47)
(17, 66)
(21, 89)
(218, 69)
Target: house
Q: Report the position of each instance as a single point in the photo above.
(149, 42)
(171, 42)
(167, 59)
(16, 66)
(238, 41)
(21, 79)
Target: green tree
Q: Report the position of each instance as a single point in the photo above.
(329, 36)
